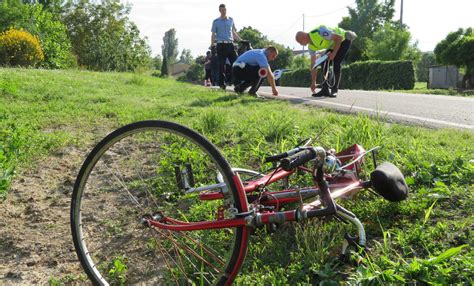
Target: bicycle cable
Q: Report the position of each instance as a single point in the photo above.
(262, 190)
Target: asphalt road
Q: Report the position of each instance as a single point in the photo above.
(420, 109)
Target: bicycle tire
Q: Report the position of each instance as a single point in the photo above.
(117, 252)
(328, 74)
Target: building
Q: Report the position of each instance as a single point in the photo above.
(178, 69)
(444, 77)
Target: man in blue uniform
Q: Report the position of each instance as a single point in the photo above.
(252, 67)
(223, 34)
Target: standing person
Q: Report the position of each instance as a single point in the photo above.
(252, 67)
(214, 66)
(335, 39)
(228, 72)
(223, 34)
(207, 68)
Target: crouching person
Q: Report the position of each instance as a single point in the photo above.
(251, 68)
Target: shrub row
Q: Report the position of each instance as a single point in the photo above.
(369, 75)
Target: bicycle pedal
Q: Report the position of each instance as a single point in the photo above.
(185, 177)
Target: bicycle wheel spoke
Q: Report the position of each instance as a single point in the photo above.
(162, 251)
(192, 252)
(197, 270)
(176, 250)
(140, 174)
(212, 253)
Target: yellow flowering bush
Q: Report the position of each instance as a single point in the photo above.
(19, 48)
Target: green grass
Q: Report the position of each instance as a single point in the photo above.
(422, 87)
(420, 240)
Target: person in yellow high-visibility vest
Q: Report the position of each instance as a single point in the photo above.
(322, 37)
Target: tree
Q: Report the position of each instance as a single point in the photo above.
(157, 62)
(186, 57)
(391, 43)
(365, 19)
(254, 36)
(169, 49)
(164, 68)
(260, 41)
(284, 59)
(458, 49)
(200, 60)
(104, 38)
(422, 69)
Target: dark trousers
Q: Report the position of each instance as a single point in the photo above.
(248, 76)
(215, 75)
(341, 54)
(225, 51)
(208, 75)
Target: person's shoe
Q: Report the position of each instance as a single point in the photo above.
(254, 93)
(321, 93)
(333, 93)
(222, 86)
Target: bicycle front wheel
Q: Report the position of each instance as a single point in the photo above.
(136, 172)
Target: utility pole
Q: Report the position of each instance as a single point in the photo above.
(303, 31)
(401, 15)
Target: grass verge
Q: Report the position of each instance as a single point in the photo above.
(422, 88)
(426, 239)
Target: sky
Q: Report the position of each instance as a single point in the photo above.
(429, 21)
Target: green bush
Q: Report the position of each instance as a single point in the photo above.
(373, 75)
(369, 75)
(195, 73)
(299, 78)
(19, 48)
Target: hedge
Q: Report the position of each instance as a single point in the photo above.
(369, 75)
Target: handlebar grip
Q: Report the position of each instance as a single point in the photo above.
(297, 159)
(280, 156)
(275, 157)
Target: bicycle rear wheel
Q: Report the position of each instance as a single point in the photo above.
(135, 172)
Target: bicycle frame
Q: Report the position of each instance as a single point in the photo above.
(343, 186)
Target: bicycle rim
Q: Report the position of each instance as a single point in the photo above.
(130, 175)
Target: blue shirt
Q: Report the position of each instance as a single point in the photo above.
(257, 57)
(223, 29)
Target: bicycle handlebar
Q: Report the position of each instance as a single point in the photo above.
(298, 159)
(280, 156)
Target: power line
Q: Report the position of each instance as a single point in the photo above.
(286, 31)
(332, 12)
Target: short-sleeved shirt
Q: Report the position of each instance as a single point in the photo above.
(257, 57)
(223, 29)
(324, 32)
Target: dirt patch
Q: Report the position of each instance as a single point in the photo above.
(35, 238)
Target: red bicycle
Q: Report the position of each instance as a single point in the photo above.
(156, 203)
